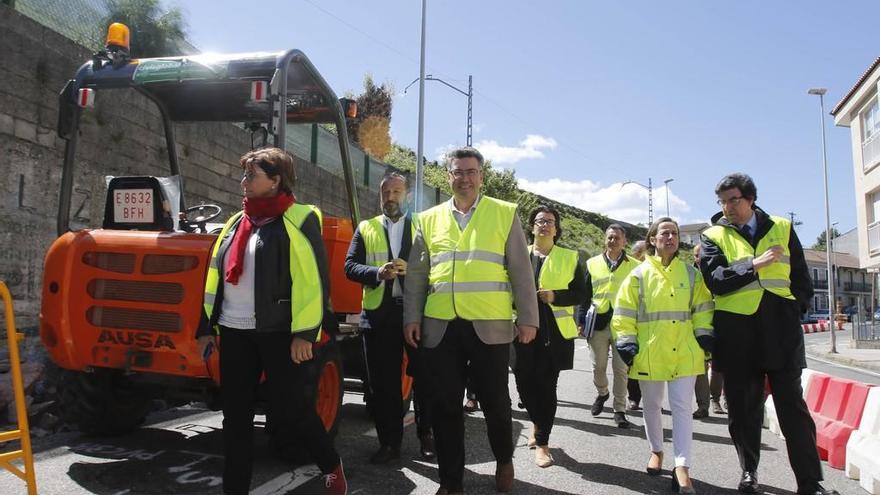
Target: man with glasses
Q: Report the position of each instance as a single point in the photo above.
(469, 266)
(754, 265)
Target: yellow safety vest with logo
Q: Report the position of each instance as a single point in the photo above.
(557, 272)
(665, 328)
(376, 246)
(775, 278)
(468, 278)
(605, 282)
(306, 292)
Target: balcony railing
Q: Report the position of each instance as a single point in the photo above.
(874, 237)
(820, 284)
(857, 287)
(871, 152)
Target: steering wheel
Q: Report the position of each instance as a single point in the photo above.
(205, 213)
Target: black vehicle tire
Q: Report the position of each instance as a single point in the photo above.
(101, 403)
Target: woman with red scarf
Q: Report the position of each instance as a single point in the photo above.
(266, 294)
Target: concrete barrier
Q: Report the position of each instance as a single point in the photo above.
(836, 405)
(822, 326)
(863, 448)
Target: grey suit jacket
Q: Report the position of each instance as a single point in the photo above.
(522, 282)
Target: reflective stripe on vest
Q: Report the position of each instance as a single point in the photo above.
(306, 293)
(468, 278)
(376, 246)
(775, 278)
(557, 272)
(605, 282)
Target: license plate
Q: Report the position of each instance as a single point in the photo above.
(133, 206)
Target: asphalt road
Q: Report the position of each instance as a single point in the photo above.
(177, 452)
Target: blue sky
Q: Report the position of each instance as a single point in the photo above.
(579, 96)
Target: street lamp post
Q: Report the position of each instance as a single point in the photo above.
(420, 160)
(820, 92)
(469, 94)
(650, 188)
(666, 184)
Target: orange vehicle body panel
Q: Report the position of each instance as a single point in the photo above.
(133, 300)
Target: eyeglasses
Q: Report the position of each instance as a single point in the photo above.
(545, 221)
(459, 173)
(732, 201)
(250, 176)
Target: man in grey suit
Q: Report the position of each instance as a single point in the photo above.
(469, 266)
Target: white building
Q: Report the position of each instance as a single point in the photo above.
(860, 111)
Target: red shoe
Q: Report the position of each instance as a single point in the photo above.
(335, 483)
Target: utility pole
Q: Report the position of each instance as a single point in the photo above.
(420, 160)
(470, 97)
(794, 223)
(650, 188)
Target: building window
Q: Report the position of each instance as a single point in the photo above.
(871, 135)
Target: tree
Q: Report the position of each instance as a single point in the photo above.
(820, 241)
(154, 32)
(371, 129)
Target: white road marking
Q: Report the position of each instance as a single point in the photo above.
(838, 365)
(287, 481)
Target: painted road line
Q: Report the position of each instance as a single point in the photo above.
(838, 365)
(288, 481)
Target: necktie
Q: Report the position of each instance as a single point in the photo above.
(746, 232)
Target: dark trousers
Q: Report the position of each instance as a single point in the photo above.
(707, 387)
(634, 391)
(384, 349)
(536, 379)
(745, 408)
(448, 366)
(244, 356)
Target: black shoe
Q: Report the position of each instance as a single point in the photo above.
(385, 454)
(748, 482)
(620, 419)
(426, 448)
(598, 404)
(816, 490)
(701, 413)
(677, 488)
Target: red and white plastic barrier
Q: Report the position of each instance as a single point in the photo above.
(863, 448)
(822, 326)
(771, 421)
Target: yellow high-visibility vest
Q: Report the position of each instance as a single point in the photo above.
(376, 246)
(665, 328)
(775, 278)
(605, 282)
(468, 278)
(557, 272)
(306, 292)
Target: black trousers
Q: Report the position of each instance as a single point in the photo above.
(536, 379)
(384, 351)
(745, 408)
(245, 355)
(634, 391)
(447, 371)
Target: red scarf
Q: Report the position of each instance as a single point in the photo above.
(257, 212)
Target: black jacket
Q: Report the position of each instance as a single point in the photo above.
(772, 337)
(272, 282)
(358, 271)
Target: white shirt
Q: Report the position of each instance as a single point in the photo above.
(463, 217)
(395, 239)
(238, 300)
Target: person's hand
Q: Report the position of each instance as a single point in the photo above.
(412, 334)
(300, 350)
(581, 330)
(769, 257)
(526, 333)
(627, 352)
(203, 342)
(387, 271)
(546, 296)
(399, 266)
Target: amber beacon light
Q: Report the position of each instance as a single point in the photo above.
(118, 36)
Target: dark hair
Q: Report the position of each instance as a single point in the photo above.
(617, 227)
(743, 182)
(463, 152)
(550, 210)
(275, 162)
(394, 175)
(652, 232)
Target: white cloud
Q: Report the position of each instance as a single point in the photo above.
(532, 146)
(629, 203)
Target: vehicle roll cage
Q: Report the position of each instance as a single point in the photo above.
(208, 88)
